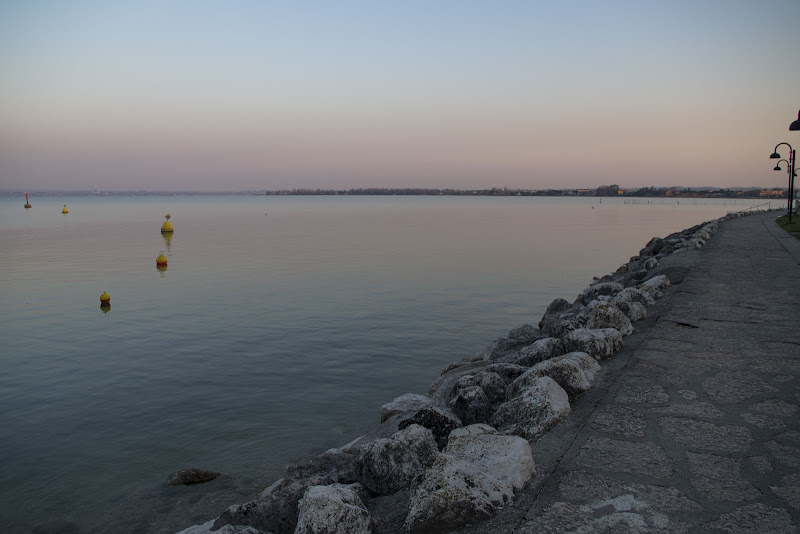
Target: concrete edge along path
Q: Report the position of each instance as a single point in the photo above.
(694, 425)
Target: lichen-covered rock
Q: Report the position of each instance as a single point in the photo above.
(334, 509)
(517, 338)
(600, 289)
(275, 509)
(653, 286)
(552, 316)
(606, 315)
(599, 344)
(471, 405)
(632, 302)
(478, 473)
(534, 410)
(574, 372)
(388, 464)
(507, 371)
(492, 384)
(540, 350)
(440, 422)
(206, 528)
(410, 402)
(192, 475)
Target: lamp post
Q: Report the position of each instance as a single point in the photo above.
(796, 124)
(790, 164)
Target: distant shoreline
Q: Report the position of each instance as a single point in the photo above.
(612, 191)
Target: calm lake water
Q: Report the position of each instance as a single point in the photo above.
(279, 328)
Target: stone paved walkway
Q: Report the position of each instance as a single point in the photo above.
(695, 425)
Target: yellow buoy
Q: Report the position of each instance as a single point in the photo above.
(105, 298)
(161, 259)
(167, 226)
(65, 210)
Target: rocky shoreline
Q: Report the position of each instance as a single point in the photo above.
(459, 454)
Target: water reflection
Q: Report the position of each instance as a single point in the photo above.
(105, 307)
(162, 269)
(167, 237)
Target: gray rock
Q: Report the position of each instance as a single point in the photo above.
(507, 371)
(275, 509)
(654, 285)
(334, 509)
(492, 384)
(410, 402)
(206, 528)
(599, 344)
(191, 476)
(552, 316)
(440, 422)
(478, 473)
(471, 405)
(388, 464)
(517, 338)
(540, 350)
(606, 315)
(574, 372)
(535, 410)
(601, 289)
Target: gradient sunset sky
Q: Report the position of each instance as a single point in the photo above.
(250, 95)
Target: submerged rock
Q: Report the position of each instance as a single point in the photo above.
(477, 473)
(192, 475)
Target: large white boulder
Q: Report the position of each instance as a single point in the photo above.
(606, 315)
(478, 472)
(534, 411)
(334, 509)
(599, 344)
(574, 372)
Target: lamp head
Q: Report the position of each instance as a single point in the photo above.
(775, 155)
(777, 168)
(796, 124)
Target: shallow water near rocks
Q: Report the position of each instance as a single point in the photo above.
(278, 329)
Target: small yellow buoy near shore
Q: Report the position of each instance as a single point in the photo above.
(161, 259)
(167, 226)
(65, 210)
(105, 302)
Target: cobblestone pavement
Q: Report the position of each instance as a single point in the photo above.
(694, 426)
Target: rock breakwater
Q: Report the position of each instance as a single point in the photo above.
(462, 452)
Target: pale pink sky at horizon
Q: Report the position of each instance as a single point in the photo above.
(213, 96)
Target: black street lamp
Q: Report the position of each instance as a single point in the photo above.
(796, 124)
(790, 164)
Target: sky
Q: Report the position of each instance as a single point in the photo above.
(253, 95)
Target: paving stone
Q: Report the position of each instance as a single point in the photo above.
(762, 464)
(643, 458)
(720, 478)
(578, 486)
(641, 394)
(775, 407)
(619, 420)
(786, 455)
(735, 386)
(695, 409)
(700, 435)
(762, 421)
(755, 519)
(789, 489)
